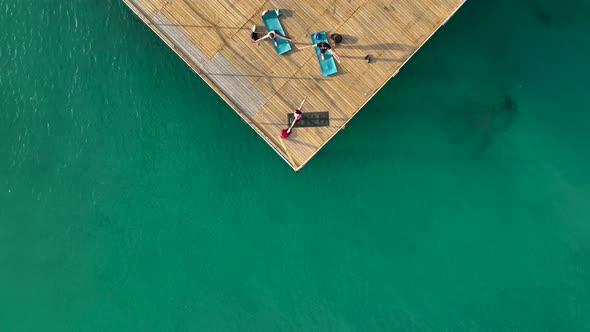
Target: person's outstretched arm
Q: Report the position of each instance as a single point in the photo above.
(307, 46)
(335, 55)
(303, 102)
(283, 37)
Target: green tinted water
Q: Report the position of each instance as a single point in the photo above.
(457, 200)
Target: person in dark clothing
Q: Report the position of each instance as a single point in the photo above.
(323, 47)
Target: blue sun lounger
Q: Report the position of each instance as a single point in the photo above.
(271, 22)
(328, 66)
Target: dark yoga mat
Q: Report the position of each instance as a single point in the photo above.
(311, 119)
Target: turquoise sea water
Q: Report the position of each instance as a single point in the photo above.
(458, 199)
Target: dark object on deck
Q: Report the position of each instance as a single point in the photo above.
(336, 38)
(311, 119)
(369, 58)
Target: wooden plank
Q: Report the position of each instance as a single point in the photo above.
(149, 8)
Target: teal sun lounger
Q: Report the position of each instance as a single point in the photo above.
(328, 66)
(271, 22)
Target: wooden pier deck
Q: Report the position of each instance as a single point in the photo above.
(213, 38)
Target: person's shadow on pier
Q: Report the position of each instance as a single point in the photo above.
(373, 50)
(351, 42)
(376, 47)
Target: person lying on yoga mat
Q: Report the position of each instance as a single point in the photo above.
(324, 47)
(272, 35)
(296, 117)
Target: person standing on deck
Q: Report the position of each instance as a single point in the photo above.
(324, 47)
(296, 117)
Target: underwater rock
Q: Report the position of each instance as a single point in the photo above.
(508, 104)
(542, 17)
(506, 113)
